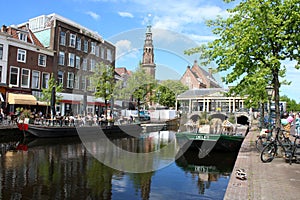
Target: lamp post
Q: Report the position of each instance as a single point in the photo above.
(158, 97)
(269, 90)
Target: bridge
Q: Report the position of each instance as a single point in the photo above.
(191, 120)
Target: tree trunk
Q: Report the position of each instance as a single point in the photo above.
(276, 86)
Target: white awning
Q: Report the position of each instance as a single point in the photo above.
(78, 97)
(23, 99)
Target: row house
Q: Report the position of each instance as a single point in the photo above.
(77, 50)
(25, 67)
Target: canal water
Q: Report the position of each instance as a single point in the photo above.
(68, 168)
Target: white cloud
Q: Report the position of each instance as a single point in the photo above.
(93, 15)
(124, 48)
(125, 14)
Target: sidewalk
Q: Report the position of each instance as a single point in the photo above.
(274, 180)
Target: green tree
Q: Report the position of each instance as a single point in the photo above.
(46, 92)
(139, 87)
(166, 92)
(292, 105)
(102, 80)
(252, 43)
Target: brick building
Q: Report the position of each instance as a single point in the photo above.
(77, 50)
(196, 78)
(52, 44)
(25, 67)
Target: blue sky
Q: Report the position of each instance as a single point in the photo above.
(176, 26)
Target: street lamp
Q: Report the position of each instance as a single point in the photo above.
(158, 97)
(269, 90)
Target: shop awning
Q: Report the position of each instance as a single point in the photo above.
(42, 103)
(78, 99)
(23, 99)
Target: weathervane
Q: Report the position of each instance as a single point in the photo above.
(149, 20)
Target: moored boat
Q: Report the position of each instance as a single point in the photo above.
(218, 142)
(68, 131)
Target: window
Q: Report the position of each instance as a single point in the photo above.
(21, 55)
(97, 51)
(42, 60)
(62, 38)
(14, 76)
(61, 59)
(88, 83)
(1, 51)
(77, 63)
(45, 80)
(85, 46)
(71, 59)
(102, 53)
(72, 40)
(78, 44)
(76, 81)
(92, 65)
(25, 78)
(93, 47)
(23, 36)
(109, 55)
(83, 83)
(70, 80)
(60, 77)
(35, 80)
(84, 64)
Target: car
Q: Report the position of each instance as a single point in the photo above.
(144, 116)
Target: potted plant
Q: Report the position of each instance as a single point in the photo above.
(110, 121)
(25, 115)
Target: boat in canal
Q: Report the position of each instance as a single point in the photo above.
(43, 131)
(217, 142)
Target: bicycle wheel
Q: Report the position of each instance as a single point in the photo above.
(268, 153)
(260, 143)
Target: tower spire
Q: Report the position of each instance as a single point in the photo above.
(148, 54)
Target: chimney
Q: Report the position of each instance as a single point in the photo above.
(3, 28)
(210, 70)
(195, 63)
(188, 67)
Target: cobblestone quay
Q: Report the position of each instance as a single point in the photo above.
(274, 180)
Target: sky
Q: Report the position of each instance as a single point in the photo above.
(176, 26)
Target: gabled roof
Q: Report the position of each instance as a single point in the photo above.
(203, 74)
(123, 71)
(31, 38)
(194, 93)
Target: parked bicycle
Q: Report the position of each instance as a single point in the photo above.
(271, 149)
(293, 154)
(264, 138)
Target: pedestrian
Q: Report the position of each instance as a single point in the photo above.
(286, 122)
(297, 124)
(1, 115)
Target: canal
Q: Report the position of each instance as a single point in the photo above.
(69, 168)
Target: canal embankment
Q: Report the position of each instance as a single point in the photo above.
(274, 180)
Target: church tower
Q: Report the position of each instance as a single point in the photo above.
(148, 54)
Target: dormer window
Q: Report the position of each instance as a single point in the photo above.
(22, 36)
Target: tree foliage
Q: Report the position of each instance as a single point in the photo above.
(291, 105)
(102, 80)
(252, 43)
(166, 91)
(46, 92)
(138, 87)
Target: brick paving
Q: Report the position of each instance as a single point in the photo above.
(274, 180)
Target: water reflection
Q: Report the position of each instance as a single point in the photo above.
(65, 169)
(209, 169)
